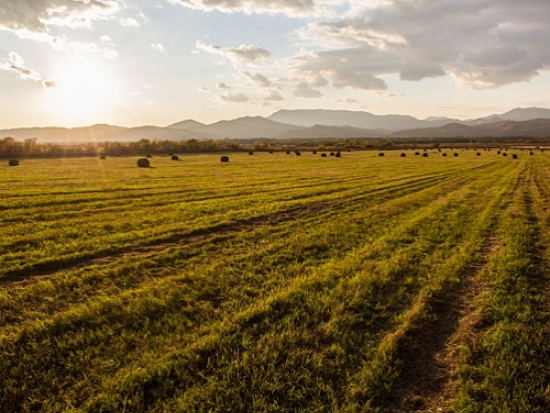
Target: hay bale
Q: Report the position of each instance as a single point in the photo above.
(143, 163)
(271, 152)
(478, 154)
(323, 155)
(13, 162)
(381, 154)
(224, 158)
(530, 153)
(148, 156)
(102, 156)
(504, 154)
(515, 156)
(250, 152)
(498, 152)
(332, 154)
(298, 153)
(175, 158)
(288, 152)
(403, 154)
(425, 154)
(444, 154)
(455, 154)
(314, 152)
(417, 153)
(338, 155)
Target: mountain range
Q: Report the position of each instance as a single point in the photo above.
(309, 124)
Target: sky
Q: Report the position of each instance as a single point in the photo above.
(156, 62)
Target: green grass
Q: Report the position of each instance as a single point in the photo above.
(270, 283)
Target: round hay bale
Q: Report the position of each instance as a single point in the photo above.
(143, 163)
(381, 154)
(417, 153)
(298, 153)
(314, 152)
(332, 154)
(403, 155)
(224, 158)
(498, 152)
(530, 153)
(504, 154)
(288, 152)
(323, 155)
(478, 154)
(102, 156)
(444, 154)
(13, 162)
(514, 156)
(455, 154)
(149, 156)
(175, 158)
(250, 152)
(338, 155)
(271, 152)
(425, 154)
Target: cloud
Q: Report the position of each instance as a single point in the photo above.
(479, 43)
(297, 8)
(36, 15)
(157, 46)
(244, 54)
(303, 90)
(274, 96)
(129, 22)
(259, 80)
(233, 98)
(222, 85)
(48, 84)
(203, 89)
(16, 64)
(347, 100)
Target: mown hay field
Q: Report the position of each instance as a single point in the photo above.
(276, 283)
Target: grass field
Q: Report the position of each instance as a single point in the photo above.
(276, 283)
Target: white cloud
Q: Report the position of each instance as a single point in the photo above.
(244, 54)
(347, 100)
(129, 22)
(84, 47)
(110, 54)
(106, 38)
(203, 89)
(479, 43)
(259, 80)
(233, 98)
(16, 64)
(303, 90)
(35, 15)
(297, 8)
(222, 85)
(157, 46)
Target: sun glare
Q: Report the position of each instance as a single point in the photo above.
(82, 90)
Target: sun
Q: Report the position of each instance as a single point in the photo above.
(83, 90)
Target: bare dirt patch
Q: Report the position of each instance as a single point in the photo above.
(428, 352)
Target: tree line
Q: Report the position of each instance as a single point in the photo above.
(31, 147)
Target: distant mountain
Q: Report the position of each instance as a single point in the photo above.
(56, 134)
(364, 120)
(532, 128)
(154, 132)
(323, 131)
(186, 124)
(291, 124)
(246, 128)
(521, 114)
